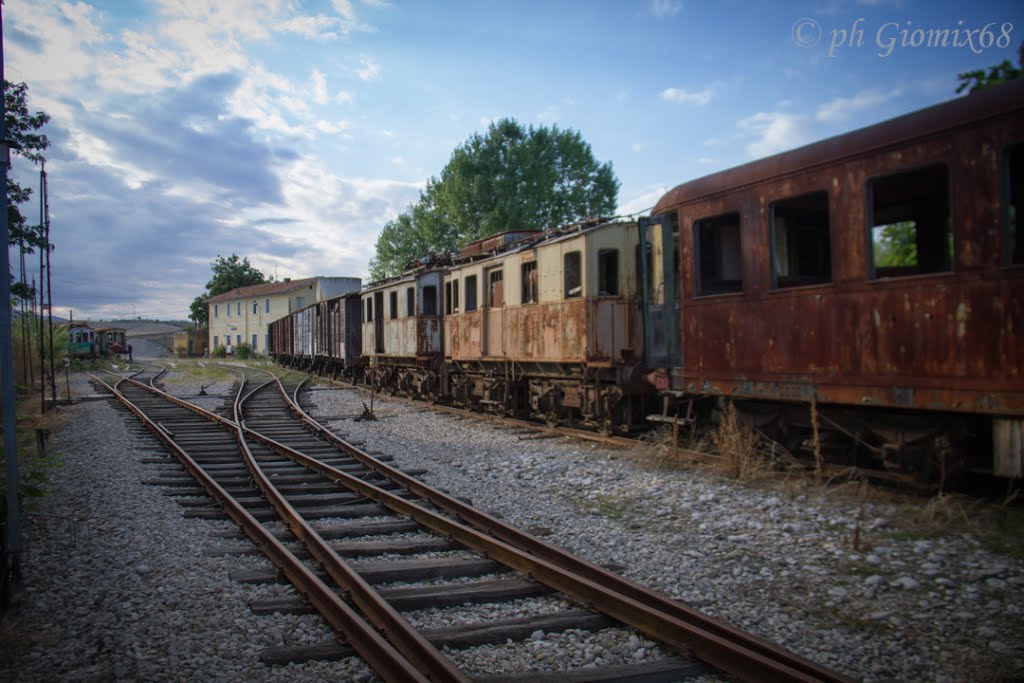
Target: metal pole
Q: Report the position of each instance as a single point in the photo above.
(13, 550)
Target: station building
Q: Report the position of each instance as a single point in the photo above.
(241, 316)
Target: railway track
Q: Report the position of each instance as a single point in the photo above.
(268, 460)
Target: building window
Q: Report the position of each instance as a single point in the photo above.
(608, 272)
(911, 231)
(228, 309)
(801, 248)
(719, 266)
(410, 302)
(216, 341)
(300, 302)
(393, 305)
(573, 275)
(471, 293)
(1014, 184)
(254, 342)
(238, 309)
(529, 272)
(216, 312)
(255, 307)
(238, 340)
(496, 288)
(266, 305)
(429, 302)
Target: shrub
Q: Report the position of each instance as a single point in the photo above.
(243, 351)
(219, 352)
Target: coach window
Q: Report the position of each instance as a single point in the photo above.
(429, 302)
(471, 293)
(369, 310)
(801, 249)
(573, 275)
(608, 272)
(1015, 197)
(911, 231)
(410, 302)
(393, 305)
(529, 272)
(496, 288)
(451, 297)
(719, 266)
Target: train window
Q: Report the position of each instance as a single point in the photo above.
(410, 301)
(801, 251)
(608, 272)
(719, 264)
(471, 293)
(573, 275)
(393, 305)
(911, 231)
(1014, 166)
(495, 288)
(430, 300)
(529, 275)
(451, 297)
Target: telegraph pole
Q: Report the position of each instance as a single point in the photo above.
(11, 565)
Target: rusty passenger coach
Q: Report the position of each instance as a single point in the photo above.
(788, 293)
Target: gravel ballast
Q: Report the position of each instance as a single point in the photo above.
(129, 593)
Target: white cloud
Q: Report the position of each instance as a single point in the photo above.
(666, 8)
(841, 107)
(332, 127)
(369, 69)
(642, 202)
(776, 131)
(319, 86)
(683, 96)
(344, 97)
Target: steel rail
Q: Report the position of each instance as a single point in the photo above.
(686, 630)
(396, 628)
(372, 647)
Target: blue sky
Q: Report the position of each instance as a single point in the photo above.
(291, 132)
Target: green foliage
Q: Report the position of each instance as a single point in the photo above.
(228, 273)
(511, 178)
(243, 351)
(895, 244)
(972, 81)
(219, 352)
(20, 127)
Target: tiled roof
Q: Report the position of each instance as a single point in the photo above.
(261, 290)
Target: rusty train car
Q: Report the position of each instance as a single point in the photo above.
(788, 291)
(874, 280)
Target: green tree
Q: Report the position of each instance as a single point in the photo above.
(511, 178)
(972, 81)
(895, 244)
(21, 128)
(228, 273)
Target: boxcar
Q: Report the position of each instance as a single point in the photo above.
(878, 274)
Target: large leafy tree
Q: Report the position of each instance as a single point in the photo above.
(228, 273)
(22, 130)
(510, 178)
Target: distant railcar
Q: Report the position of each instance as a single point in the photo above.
(548, 325)
(111, 341)
(323, 337)
(401, 333)
(81, 341)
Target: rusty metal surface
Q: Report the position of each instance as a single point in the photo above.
(951, 341)
(573, 331)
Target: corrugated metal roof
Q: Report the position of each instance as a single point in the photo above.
(262, 290)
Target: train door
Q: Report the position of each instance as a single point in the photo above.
(659, 269)
(494, 313)
(378, 322)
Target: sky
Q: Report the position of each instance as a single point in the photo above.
(291, 132)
